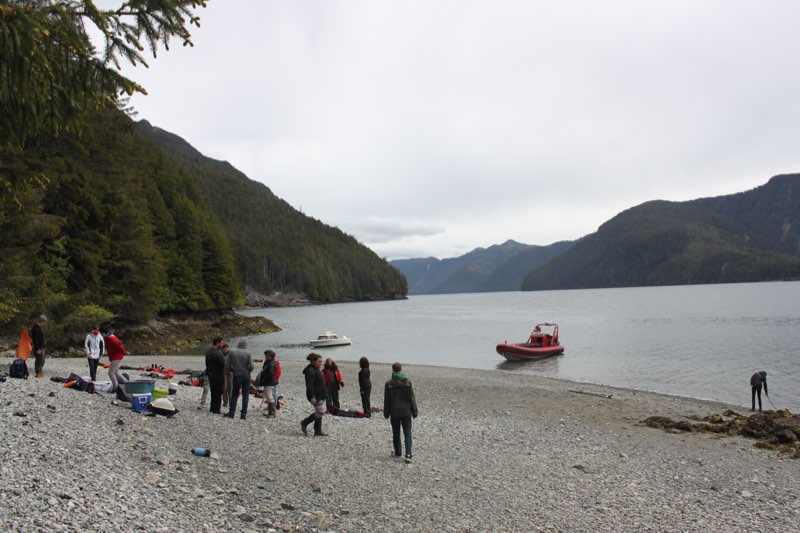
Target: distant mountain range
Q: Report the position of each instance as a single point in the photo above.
(748, 236)
(501, 267)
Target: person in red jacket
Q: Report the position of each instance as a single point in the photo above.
(116, 352)
(333, 382)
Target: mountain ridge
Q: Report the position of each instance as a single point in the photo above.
(752, 235)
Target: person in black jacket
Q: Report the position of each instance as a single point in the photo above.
(758, 380)
(400, 404)
(316, 394)
(365, 385)
(268, 382)
(37, 339)
(215, 368)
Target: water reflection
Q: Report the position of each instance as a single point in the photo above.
(547, 365)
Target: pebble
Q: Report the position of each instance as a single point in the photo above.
(586, 461)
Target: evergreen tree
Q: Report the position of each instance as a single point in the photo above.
(51, 74)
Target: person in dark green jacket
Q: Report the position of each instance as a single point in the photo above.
(400, 406)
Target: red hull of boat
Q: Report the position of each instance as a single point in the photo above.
(520, 352)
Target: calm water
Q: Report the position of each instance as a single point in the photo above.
(703, 341)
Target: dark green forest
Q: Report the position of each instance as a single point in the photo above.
(114, 225)
(100, 221)
(750, 236)
(276, 247)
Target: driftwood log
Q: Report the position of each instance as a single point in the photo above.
(607, 396)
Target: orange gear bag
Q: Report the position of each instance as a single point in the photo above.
(24, 346)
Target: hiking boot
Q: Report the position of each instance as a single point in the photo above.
(228, 415)
(320, 434)
(243, 416)
(303, 426)
(40, 374)
(272, 410)
(407, 459)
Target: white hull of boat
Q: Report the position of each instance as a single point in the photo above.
(324, 343)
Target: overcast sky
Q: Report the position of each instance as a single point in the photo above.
(430, 128)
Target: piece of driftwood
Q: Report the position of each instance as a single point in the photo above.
(607, 396)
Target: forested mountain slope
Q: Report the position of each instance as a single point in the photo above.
(113, 229)
(770, 213)
(117, 226)
(275, 246)
(734, 238)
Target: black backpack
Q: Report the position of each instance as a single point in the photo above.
(18, 369)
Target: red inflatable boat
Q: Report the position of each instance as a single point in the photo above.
(542, 343)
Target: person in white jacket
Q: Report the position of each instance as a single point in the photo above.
(94, 348)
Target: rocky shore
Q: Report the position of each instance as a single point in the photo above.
(169, 333)
(493, 452)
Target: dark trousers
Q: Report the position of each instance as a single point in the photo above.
(93, 367)
(405, 422)
(756, 390)
(216, 382)
(39, 364)
(333, 396)
(365, 401)
(241, 383)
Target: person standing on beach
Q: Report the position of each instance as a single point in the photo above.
(268, 382)
(316, 394)
(400, 405)
(94, 346)
(227, 382)
(333, 382)
(116, 353)
(758, 380)
(365, 385)
(240, 365)
(215, 373)
(277, 381)
(37, 340)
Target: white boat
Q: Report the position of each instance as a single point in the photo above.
(330, 338)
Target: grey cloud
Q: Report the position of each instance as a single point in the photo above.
(481, 121)
(380, 231)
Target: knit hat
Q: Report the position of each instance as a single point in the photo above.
(42, 319)
(242, 344)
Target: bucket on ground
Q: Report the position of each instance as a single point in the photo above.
(173, 389)
(141, 386)
(159, 393)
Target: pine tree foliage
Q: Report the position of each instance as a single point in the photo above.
(51, 73)
(96, 221)
(118, 226)
(277, 248)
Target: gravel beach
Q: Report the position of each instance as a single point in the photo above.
(492, 452)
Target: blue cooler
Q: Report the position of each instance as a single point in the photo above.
(140, 400)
